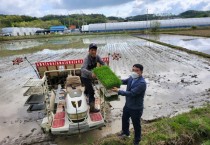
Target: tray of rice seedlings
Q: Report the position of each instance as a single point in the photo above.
(107, 77)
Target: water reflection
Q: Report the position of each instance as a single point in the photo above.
(17, 45)
(22, 44)
(113, 40)
(190, 42)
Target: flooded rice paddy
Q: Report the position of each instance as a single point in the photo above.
(23, 44)
(200, 44)
(176, 82)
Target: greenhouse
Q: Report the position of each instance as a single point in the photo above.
(18, 31)
(141, 25)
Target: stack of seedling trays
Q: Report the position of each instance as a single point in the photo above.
(108, 79)
(36, 102)
(36, 96)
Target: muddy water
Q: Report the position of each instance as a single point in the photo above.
(200, 44)
(17, 45)
(176, 82)
(23, 44)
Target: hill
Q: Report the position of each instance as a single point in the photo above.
(82, 19)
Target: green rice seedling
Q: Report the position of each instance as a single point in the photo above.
(107, 77)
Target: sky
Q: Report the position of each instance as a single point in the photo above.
(118, 8)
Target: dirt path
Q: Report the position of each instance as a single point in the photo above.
(177, 82)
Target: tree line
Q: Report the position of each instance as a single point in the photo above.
(83, 19)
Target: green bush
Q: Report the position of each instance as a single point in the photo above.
(107, 77)
(194, 27)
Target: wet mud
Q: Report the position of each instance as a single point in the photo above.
(176, 82)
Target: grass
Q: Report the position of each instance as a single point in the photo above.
(107, 77)
(206, 143)
(203, 32)
(189, 128)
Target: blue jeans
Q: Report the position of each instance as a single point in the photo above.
(135, 117)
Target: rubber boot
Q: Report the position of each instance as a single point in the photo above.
(92, 108)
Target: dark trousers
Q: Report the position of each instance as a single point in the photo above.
(135, 117)
(89, 91)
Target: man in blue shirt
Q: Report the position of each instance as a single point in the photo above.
(134, 104)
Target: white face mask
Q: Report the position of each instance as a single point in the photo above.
(134, 75)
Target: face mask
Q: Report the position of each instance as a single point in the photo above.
(134, 75)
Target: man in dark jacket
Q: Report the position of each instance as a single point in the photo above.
(87, 75)
(136, 87)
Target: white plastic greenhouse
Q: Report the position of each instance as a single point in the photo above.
(19, 31)
(140, 25)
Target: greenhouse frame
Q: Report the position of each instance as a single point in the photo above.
(18, 31)
(141, 25)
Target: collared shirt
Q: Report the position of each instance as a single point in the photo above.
(134, 80)
(88, 64)
(134, 92)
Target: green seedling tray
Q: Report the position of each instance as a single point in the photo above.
(107, 77)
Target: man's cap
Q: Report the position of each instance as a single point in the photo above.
(92, 46)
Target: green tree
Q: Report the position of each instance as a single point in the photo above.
(155, 25)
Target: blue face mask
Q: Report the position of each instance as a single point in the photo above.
(134, 75)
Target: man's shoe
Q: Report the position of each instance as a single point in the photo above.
(93, 109)
(123, 136)
(135, 143)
